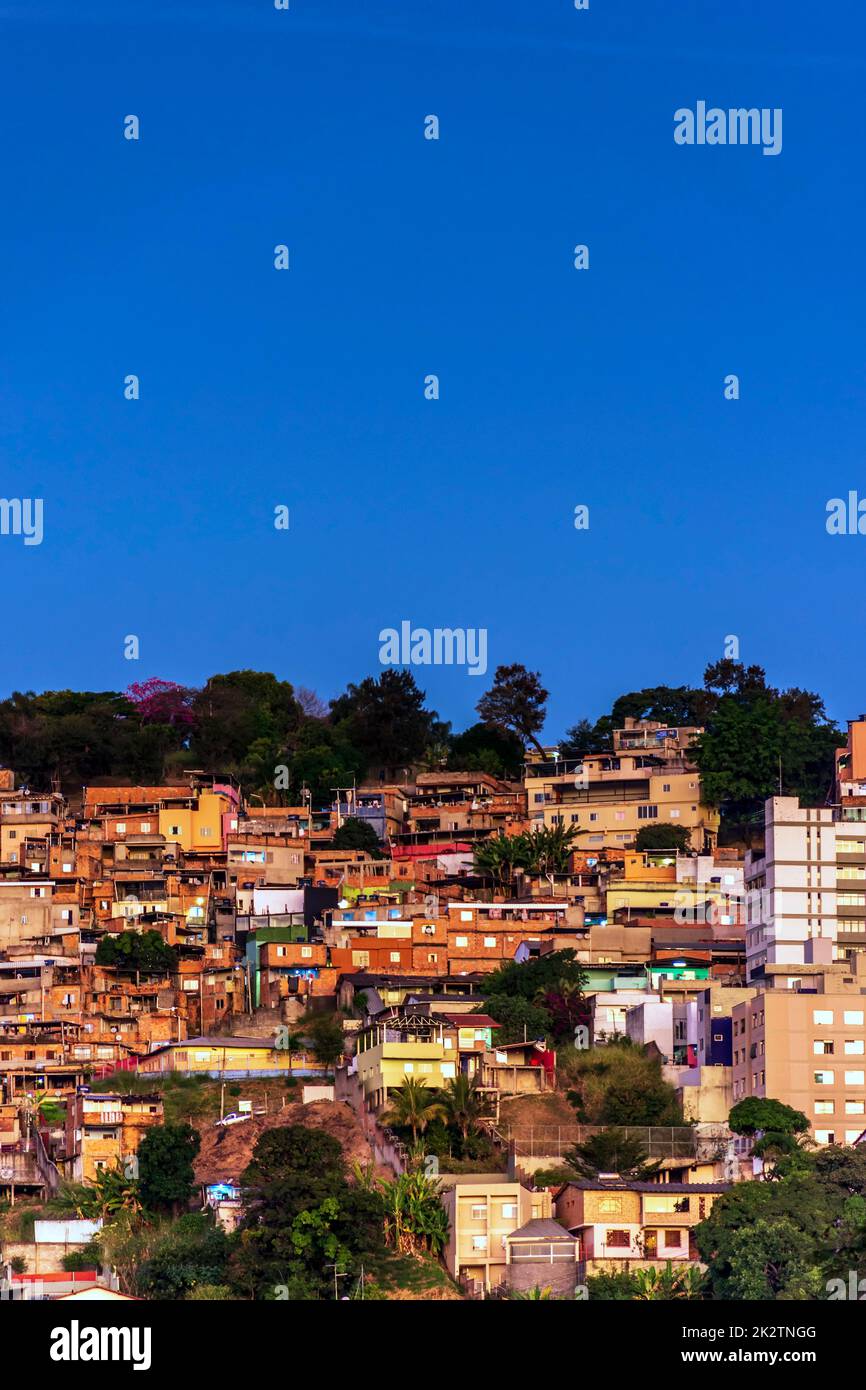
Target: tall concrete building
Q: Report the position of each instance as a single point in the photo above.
(791, 892)
(806, 893)
(806, 1047)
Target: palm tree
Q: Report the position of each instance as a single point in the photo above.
(413, 1104)
(462, 1103)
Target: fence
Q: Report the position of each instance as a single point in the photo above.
(553, 1141)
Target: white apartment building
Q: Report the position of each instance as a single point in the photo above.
(806, 895)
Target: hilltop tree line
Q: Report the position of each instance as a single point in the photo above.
(277, 739)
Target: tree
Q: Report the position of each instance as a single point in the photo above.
(166, 1156)
(565, 1004)
(620, 1085)
(415, 1219)
(323, 758)
(803, 1204)
(772, 1259)
(131, 952)
(584, 737)
(518, 1020)
(610, 1151)
(241, 708)
(110, 1192)
(311, 705)
(413, 1105)
(325, 1034)
(754, 1115)
(543, 850)
(302, 1215)
(162, 702)
(461, 1103)
(192, 1254)
(757, 735)
(386, 719)
(517, 702)
(357, 834)
(680, 706)
(661, 837)
(483, 748)
(530, 978)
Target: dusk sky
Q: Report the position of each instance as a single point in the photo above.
(409, 256)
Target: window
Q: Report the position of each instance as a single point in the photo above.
(67, 868)
(490, 941)
(466, 917)
(854, 1047)
(855, 1107)
(205, 830)
(461, 941)
(448, 1069)
(822, 1015)
(853, 1016)
(822, 1049)
(825, 1107)
(409, 1066)
(593, 815)
(479, 1242)
(306, 952)
(825, 1136)
(479, 1211)
(825, 1078)
(121, 827)
(673, 1239)
(618, 1240)
(647, 812)
(174, 830)
(660, 1205)
(509, 1211)
(145, 827)
(666, 786)
(610, 1206)
(675, 812)
(854, 1078)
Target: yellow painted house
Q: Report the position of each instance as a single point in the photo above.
(388, 1053)
(198, 826)
(226, 1056)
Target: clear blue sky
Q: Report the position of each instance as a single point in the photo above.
(411, 257)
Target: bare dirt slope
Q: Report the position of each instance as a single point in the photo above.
(225, 1152)
(551, 1108)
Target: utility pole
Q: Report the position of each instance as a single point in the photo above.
(335, 1267)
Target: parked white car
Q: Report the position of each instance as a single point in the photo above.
(233, 1119)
